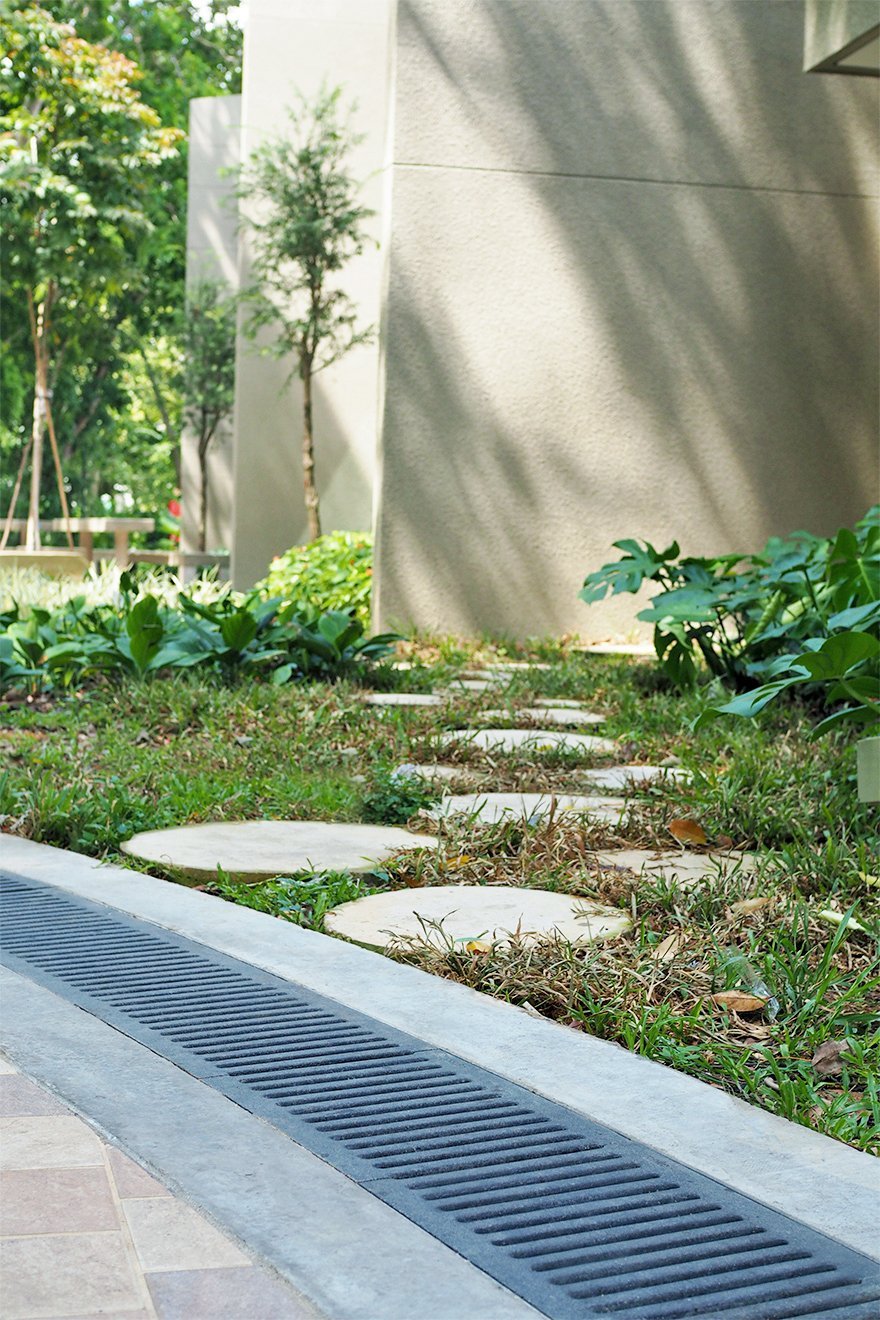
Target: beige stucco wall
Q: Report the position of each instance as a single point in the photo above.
(297, 45)
(631, 290)
(211, 254)
(834, 28)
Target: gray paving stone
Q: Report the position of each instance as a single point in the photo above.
(551, 714)
(440, 914)
(625, 776)
(403, 699)
(254, 849)
(528, 740)
(685, 867)
(491, 807)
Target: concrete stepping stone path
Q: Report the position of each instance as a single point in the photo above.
(552, 714)
(491, 807)
(528, 740)
(488, 913)
(257, 849)
(686, 867)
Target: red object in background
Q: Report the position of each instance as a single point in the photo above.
(174, 508)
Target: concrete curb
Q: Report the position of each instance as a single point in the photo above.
(821, 1182)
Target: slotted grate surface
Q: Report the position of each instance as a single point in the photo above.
(576, 1219)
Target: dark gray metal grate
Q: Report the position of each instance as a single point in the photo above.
(576, 1219)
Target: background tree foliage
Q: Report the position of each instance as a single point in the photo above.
(118, 400)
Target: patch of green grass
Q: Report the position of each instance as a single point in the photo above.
(87, 770)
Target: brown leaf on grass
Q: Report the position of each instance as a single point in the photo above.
(687, 831)
(747, 905)
(724, 841)
(738, 1001)
(477, 946)
(828, 1059)
(667, 949)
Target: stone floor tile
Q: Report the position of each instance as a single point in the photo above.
(169, 1235)
(111, 1315)
(51, 1142)
(130, 1178)
(246, 1293)
(56, 1201)
(50, 1276)
(22, 1098)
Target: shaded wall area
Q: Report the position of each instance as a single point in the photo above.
(631, 290)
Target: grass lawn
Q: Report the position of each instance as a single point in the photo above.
(87, 770)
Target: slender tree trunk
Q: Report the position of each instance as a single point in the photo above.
(308, 455)
(203, 496)
(39, 319)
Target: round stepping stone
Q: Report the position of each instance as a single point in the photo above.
(480, 676)
(558, 703)
(255, 849)
(429, 771)
(686, 868)
(403, 699)
(552, 714)
(491, 807)
(530, 740)
(514, 666)
(472, 685)
(623, 776)
(490, 913)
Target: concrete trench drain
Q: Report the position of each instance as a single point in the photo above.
(576, 1219)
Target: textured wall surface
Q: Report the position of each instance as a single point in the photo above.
(211, 253)
(290, 46)
(631, 290)
(833, 25)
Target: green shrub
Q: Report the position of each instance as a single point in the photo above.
(740, 614)
(333, 573)
(141, 635)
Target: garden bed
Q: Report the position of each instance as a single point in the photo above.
(88, 769)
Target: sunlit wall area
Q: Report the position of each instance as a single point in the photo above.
(631, 290)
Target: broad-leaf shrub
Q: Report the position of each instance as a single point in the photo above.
(844, 668)
(42, 648)
(741, 614)
(333, 573)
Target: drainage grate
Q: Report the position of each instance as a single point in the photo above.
(579, 1221)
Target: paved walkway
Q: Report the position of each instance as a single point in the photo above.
(85, 1231)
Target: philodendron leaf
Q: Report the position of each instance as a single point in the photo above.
(145, 631)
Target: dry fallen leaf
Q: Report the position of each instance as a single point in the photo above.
(687, 831)
(828, 1059)
(453, 863)
(747, 905)
(724, 841)
(667, 949)
(869, 879)
(477, 946)
(738, 1001)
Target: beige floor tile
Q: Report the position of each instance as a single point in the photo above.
(63, 1276)
(130, 1178)
(56, 1201)
(22, 1098)
(56, 1142)
(169, 1235)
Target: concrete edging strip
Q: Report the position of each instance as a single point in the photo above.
(821, 1182)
